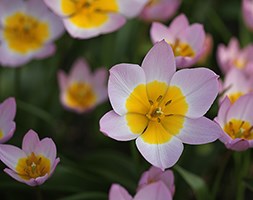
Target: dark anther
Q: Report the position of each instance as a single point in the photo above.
(151, 102)
(168, 102)
(145, 129)
(159, 98)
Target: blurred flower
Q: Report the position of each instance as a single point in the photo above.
(236, 120)
(159, 10)
(34, 163)
(187, 41)
(236, 84)
(247, 10)
(89, 18)
(160, 107)
(154, 191)
(27, 31)
(155, 174)
(208, 48)
(7, 114)
(81, 91)
(234, 57)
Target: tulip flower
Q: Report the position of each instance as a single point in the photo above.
(155, 174)
(233, 57)
(236, 84)
(236, 120)
(187, 41)
(81, 91)
(89, 18)
(159, 107)
(159, 10)
(208, 49)
(34, 163)
(27, 32)
(247, 10)
(154, 191)
(7, 114)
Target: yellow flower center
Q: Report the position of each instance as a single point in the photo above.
(152, 2)
(24, 33)
(33, 166)
(239, 63)
(156, 111)
(235, 96)
(80, 95)
(236, 128)
(1, 134)
(89, 13)
(182, 49)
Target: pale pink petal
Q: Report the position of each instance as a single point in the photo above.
(242, 109)
(238, 144)
(7, 110)
(180, 23)
(56, 162)
(131, 8)
(121, 131)
(159, 32)
(123, 79)
(247, 7)
(114, 22)
(199, 86)
(161, 155)
(199, 131)
(8, 7)
(8, 131)
(55, 5)
(46, 51)
(40, 180)
(159, 64)
(62, 80)
(80, 72)
(155, 191)
(47, 148)
(221, 119)
(117, 192)
(30, 142)
(10, 155)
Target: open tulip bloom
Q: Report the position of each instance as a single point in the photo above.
(159, 107)
(233, 56)
(81, 91)
(236, 120)
(187, 41)
(159, 10)
(236, 84)
(7, 114)
(28, 29)
(89, 18)
(247, 10)
(153, 191)
(34, 163)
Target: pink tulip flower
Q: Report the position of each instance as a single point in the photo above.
(236, 84)
(89, 18)
(34, 163)
(247, 10)
(236, 120)
(155, 174)
(80, 90)
(154, 191)
(7, 114)
(233, 57)
(159, 107)
(159, 10)
(27, 32)
(187, 41)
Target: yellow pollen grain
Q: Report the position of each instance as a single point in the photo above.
(80, 95)
(89, 13)
(24, 33)
(33, 166)
(182, 49)
(236, 128)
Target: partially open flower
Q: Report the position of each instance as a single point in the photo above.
(34, 163)
(247, 10)
(7, 114)
(187, 41)
(154, 191)
(159, 10)
(27, 31)
(233, 56)
(89, 18)
(159, 107)
(81, 91)
(236, 120)
(154, 175)
(236, 84)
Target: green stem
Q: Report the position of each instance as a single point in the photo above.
(39, 193)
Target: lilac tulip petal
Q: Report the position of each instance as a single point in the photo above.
(30, 142)
(117, 192)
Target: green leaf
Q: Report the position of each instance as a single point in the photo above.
(248, 183)
(197, 184)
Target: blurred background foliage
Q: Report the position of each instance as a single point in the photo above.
(90, 161)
